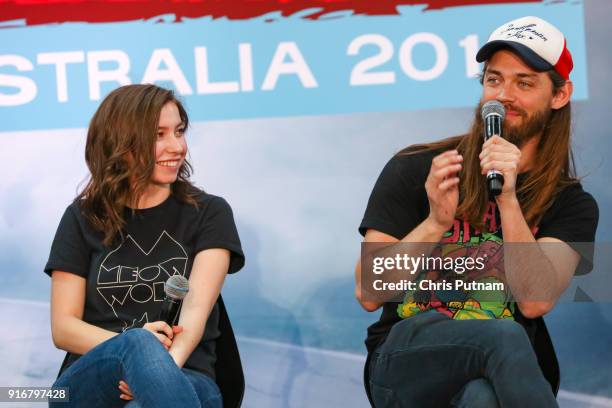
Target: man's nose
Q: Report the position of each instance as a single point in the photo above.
(505, 93)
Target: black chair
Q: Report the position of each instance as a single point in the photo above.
(228, 368)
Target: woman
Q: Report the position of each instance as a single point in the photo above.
(138, 221)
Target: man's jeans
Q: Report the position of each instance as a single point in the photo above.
(431, 360)
(137, 357)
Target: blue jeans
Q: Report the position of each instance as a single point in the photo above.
(137, 357)
(431, 360)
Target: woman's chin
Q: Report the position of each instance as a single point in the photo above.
(163, 182)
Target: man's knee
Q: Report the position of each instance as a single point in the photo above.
(477, 393)
(508, 341)
(402, 332)
(502, 332)
(510, 332)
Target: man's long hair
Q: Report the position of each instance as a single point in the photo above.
(120, 155)
(553, 168)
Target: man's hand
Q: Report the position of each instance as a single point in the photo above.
(501, 155)
(442, 186)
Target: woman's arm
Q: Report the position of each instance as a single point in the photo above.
(69, 331)
(207, 276)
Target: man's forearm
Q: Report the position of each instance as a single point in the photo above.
(424, 237)
(530, 275)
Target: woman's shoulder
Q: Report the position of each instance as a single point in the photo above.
(207, 202)
(205, 198)
(75, 209)
(74, 219)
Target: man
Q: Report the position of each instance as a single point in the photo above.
(428, 351)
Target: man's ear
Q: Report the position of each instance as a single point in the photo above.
(563, 95)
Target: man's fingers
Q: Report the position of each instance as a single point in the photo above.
(508, 152)
(446, 159)
(496, 140)
(499, 144)
(445, 165)
(499, 166)
(499, 155)
(448, 183)
(446, 171)
(500, 163)
(443, 172)
(445, 154)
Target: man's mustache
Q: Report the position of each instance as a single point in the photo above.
(510, 107)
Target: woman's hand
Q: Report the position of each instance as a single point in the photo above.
(126, 393)
(163, 332)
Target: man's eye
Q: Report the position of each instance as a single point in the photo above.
(492, 80)
(524, 84)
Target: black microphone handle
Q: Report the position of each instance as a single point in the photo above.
(169, 310)
(495, 180)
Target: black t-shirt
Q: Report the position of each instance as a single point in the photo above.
(398, 204)
(125, 281)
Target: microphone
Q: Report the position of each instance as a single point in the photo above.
(493, 114)
(176, 288)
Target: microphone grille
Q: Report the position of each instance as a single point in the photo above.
(176, 287)
(494, 107)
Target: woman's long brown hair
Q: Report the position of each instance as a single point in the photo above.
(120, 155)
(553, 168)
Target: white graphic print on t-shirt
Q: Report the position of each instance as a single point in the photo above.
(131, 279)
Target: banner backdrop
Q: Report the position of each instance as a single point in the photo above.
(295, 108)
(309, 61)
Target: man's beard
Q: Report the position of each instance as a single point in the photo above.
(530, 127)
